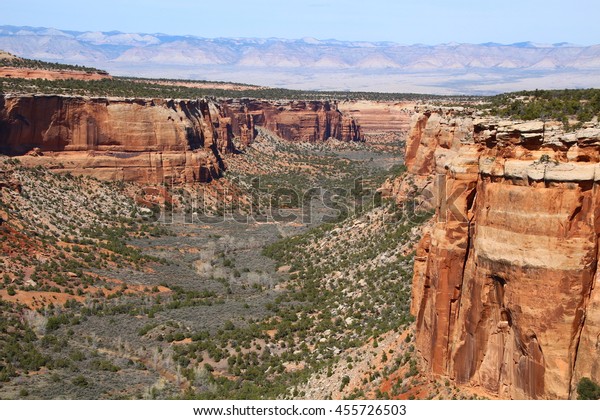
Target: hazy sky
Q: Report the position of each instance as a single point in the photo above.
(403, 21)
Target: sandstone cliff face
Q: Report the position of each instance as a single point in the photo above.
(307, 121)
(379, 116)
(506, 288)
(134, 140)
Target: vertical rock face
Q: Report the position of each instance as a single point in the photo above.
(379, 116)
(505, 290)
(307, 121)
(136, 140)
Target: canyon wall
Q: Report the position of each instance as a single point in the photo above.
(117, 139)
(306, 121)
(506, 287)
(378, 117)
(154, 140)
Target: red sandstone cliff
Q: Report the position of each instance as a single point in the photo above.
(506, 288)
(135, 140)
(308, 121)
(379, 116)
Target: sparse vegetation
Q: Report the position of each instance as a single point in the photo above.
(141, 88)
(44, 65)
(565, 105)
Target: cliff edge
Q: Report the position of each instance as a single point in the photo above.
(506, 289)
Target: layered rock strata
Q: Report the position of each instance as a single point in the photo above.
(118, 139)
(305, 121)
(506, 288)
(378, 117)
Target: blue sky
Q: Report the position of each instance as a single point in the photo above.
(406, 22)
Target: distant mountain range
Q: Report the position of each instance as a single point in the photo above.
(309, 63)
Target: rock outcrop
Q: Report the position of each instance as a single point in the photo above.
(135, 140)
(306, 121)
(506, 287)
(25, 73)
(8, 181)
(379, 116)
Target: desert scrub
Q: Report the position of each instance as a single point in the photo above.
(19, 353)
(343, 294)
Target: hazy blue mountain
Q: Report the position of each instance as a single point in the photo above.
(317, 64)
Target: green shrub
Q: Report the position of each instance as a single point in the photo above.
(104, 365)
(345, 382)
(80, 381)
(588, 390)
(146, 329)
